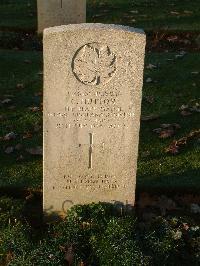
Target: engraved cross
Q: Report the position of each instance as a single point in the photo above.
(91, 136)
(61, 3)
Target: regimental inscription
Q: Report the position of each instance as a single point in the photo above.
(94, 64)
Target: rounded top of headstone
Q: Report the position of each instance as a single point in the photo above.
(93, 26)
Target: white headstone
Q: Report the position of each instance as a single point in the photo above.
(92, 101)
(60, 12)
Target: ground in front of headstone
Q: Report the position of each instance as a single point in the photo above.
(99, 234)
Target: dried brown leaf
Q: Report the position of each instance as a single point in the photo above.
(185, 113)
(10, 136)
(149, 118)
(27, 135)
(9, 150)
(34, 109)
(20, 86)
(35, 151)
(149, 80)
(166, 133)
(6, 101)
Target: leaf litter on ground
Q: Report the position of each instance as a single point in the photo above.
(167, 130)
(35, 150)
(176, 145)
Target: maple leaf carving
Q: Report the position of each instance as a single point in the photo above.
(94, 64)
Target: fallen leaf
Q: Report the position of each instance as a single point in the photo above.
(149, 80)
(172, 38)
(183, 107)
(185, 226)
(166, 133)
(188, 12)
(167, 130)
(174, 13)
(195, 208)
(6, 101)
(30, 196)
(20, 158)
(181, 54)
(150, 118)
(27, 135)
(20, 86)
(185, 113)
(176, 145)
(9, 150)
(157, 130)
(10, 136)
(151, 66)
(173, 148)
(34, 109)
(27, 61)
(35, 151)
(134, 11)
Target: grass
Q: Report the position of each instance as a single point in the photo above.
(18, 15)
(173, 85)
(154, 15)
(98, 235)
(20, 69)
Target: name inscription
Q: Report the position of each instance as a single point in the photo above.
(93, 110)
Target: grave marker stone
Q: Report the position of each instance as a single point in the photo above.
(93, 75)
(60, 12)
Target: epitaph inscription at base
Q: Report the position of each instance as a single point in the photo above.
(92, 102)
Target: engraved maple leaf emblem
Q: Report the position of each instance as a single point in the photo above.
(94, 64)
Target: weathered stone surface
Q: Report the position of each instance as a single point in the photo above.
(92, 101)
(60, 12)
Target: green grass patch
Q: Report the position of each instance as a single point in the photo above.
(151, 15)
(154, 15)
(18, 15)
(172, 86)
(20, 84)
(98, 235)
